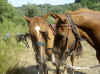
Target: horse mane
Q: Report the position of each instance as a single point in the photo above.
(83, 10)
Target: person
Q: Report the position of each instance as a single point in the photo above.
(22, 37)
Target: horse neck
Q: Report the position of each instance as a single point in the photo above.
(86, 23)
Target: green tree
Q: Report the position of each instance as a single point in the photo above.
(32, 10)
(3, 6)
(56, 9)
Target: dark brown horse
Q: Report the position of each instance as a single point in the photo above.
(89, 21)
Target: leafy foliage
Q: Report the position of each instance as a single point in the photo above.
(10, 22)
(31, 10)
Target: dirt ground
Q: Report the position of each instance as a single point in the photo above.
(27, 63)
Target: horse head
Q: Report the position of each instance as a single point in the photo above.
(38, 29)
(41, 34)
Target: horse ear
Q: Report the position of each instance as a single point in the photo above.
(45, 16)
(27, 18)
(61, 17)
(55, 16)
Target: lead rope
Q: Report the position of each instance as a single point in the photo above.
(75, 31)
(67, 43)
(74, 27)
(73, 45)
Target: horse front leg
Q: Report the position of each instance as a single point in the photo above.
(65, 70)
(58, 70)
(43, 65)
(43, 68)
(72, 62)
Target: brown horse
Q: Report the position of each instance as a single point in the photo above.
(89, 21)
(42, 38)
(64, 33)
